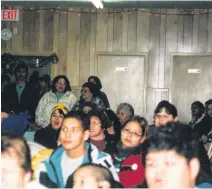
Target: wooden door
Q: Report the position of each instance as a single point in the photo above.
(191, 80)
(123, 79)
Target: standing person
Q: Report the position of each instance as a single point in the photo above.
(98, 86)
(60, 92)
(18, 97)
(49, 135)
(74, 151)
(44, 82)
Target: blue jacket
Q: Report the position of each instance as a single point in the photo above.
(52, 166)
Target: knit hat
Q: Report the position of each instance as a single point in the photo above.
(60, 106)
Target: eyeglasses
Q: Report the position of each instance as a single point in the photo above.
(60, 83)
(133, 134)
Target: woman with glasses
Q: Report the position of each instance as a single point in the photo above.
(99, 122)
(60, 93)
(87, 101)
(129, 152)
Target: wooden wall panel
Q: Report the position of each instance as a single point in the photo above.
(73, 46)
(62, 45)
(77, 40)
(132, 30)
(209, 47)
(171, 43)
(203, 32)
(117, 29)
(154, 45)
(188, 32)
(85, 46)
(93, 42)
(195, 31)
(48, 30)
(18, 38)
(101, 32)
(142, 31)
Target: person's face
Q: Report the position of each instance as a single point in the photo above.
(72, 135)
(95, 127)
(12, 174)
(131, 135)
(162, 118)
(43, 84)
(195, 110)
(86, 177)
(86, 93)
(92, 81)
(121, 116)
(60, 85)
(21, 74)
(209, 110)
(168, 169)
(56, 119)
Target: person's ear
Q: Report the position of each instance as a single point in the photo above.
(176, 119)
(194, 166)
(86, 135)
(142, 139)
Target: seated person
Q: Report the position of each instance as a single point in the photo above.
(98, 85)
(48, 136)
(88, 100)
(124, 112)
(99, 136)
(200, 123)
(74, 151)
(128, 153)
(92, 176)
(16, 163)
(172, 157)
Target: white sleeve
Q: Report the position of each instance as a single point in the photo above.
(41, 168)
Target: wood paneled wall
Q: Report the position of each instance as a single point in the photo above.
(75, 39)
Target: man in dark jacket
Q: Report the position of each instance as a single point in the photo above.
(19, 96)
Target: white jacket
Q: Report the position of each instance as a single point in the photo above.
(48, 102)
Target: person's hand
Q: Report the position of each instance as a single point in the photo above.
(86, 109)
(4, 115)
(204, 138)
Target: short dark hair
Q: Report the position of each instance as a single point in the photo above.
(199, 104)
(208, 102)
(90, 86)
(79, 116)
(102, 171)
(140, 120)
(103, 117)
(54, 81)
(174, 136)
(169, 108)
(46, 78)
(98, 82)
(20, 148)
(21, 65)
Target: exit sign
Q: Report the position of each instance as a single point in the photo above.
(10, 15)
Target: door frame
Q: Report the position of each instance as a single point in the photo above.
(172, 55)
(145, 55)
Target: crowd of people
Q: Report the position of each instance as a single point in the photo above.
(84, 144)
